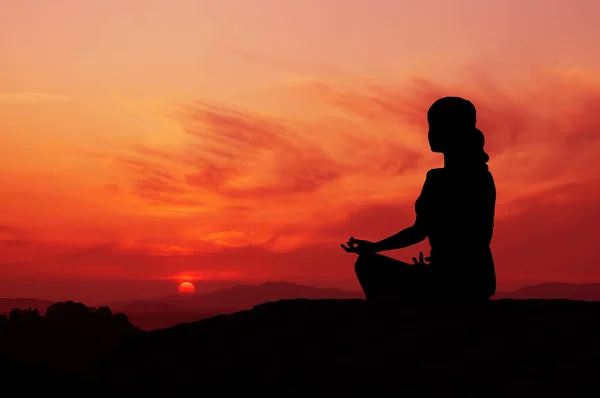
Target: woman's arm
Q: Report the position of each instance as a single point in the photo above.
(407, 237)
(418, 232)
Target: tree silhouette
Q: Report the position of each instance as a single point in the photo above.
(104, 312)
(18, 315)
(70, 337)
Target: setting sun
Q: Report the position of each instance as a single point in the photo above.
(186, 287)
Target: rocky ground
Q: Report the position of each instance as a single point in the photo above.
(318, 348)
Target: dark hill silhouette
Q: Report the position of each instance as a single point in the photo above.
(555, 290)
(319, 348)
(239, 297)
(315, 348)
(147, 320)
(154, 314)
(19, 377)
(168, 311)
(70, 338)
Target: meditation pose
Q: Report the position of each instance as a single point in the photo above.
(455, 211)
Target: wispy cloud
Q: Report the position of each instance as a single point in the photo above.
(32, 98)
(276, 190)
(532, 130)
(246, 155)
(240, 155)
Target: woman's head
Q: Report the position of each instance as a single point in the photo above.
(448, 118)
(452, 128)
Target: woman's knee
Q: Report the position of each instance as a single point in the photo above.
(362, 263)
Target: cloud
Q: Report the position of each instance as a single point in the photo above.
(548, 220)
(12, 237)
(111, 188)
(553, 237)
(241, 155)
(509, 114)
(271, 195)
(153, 181)
(246, 155)
(32, 98)
(532, 129)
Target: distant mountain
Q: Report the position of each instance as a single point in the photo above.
(236, 298)
(163, 312)
(8, 304)
(156, 314)
(247, 296)
(555, 290)
(144, 306)
(162, 320)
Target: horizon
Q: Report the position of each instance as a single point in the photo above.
(168, 289)
(223, 142)
(167, 293)
(174, 309)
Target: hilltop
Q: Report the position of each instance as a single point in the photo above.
(318, 348)
(166, 311)
(70, 340)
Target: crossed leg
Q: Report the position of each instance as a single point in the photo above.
(383, 277)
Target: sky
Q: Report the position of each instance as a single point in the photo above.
(148, 142)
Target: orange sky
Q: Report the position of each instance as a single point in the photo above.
(244, 140)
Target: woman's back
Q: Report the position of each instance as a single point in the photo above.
(456, 208)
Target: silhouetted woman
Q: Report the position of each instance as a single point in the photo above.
(455, 211)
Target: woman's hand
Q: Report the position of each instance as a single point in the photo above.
(421, 260)
(359, 246)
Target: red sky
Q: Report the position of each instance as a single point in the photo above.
(146, 142)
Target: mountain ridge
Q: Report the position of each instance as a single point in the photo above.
(323, 348)
(555, 290)
(239, 297)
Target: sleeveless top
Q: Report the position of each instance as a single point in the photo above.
(456, 210)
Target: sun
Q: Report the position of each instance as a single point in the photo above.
(186, 287)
